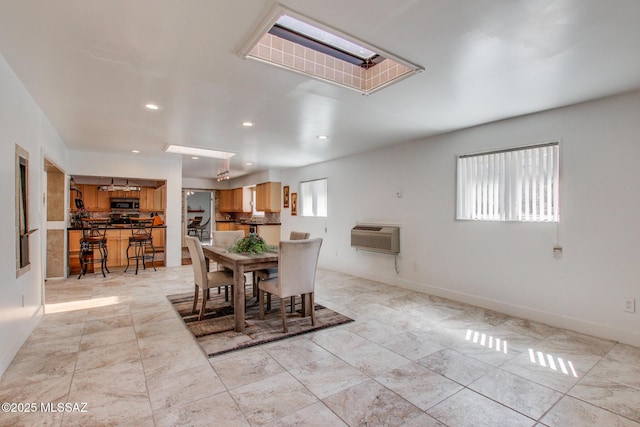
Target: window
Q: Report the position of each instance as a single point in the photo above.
(22, 211)
(519, 184)
(313, 197)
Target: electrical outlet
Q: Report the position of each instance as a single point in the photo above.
(557, 251)
(630, 305)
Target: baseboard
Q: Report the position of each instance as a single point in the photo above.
(566, 322)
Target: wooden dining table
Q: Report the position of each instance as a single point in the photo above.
(240, 264)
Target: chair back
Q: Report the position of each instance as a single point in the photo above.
(141, 228)
(297, 263)
(195, 222)
(94, 229)
(299, 235)
(224, 239)
(197, 261)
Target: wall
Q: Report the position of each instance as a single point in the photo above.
(134, 166)
(22, 123)
(504, 266)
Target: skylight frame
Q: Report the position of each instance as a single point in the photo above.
(200, 152)
(248, 48)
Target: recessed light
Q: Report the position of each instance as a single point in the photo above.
(200, 152)
(323, 137)
(247, 124)
(195, 157)
(249, 164)
(152, 106)
(135, 151)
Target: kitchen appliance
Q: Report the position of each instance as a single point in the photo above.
(120, 218)
(125, 204)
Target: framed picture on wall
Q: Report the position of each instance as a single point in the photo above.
(285, 196)
(294, 204)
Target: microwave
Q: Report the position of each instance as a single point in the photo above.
(125, 204)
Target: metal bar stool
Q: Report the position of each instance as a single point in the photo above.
(93, 241)
(141, 241)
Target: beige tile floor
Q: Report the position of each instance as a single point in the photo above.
(409, 359)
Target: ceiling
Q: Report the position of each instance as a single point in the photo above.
(92, 65)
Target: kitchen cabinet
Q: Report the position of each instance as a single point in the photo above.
(232, 200)
(268, 196)
(224, 226)
(147, 199)
(243, 227)
(117, 243)
(104, 201)
(160, 198)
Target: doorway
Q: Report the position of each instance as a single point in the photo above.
(56, 221)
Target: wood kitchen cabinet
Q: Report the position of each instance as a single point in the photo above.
(231, 200)
(117, 243)
(160, 198)
(224, 226)
(268, 196)
(104, 201)
(147, 199)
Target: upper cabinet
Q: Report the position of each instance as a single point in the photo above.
(151, 199)
(268, 196)
(232, 200)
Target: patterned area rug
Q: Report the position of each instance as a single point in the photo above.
(215, 332)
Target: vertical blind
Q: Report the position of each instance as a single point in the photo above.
(313, 197)
(519, 184)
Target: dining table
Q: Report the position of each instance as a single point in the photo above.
(240, 263)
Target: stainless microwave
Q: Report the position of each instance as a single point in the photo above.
(125, 204)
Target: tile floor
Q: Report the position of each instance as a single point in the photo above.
(409, 359)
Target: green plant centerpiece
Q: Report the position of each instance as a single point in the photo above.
(252, 244)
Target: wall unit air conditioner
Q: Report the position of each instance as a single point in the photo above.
(376, 238)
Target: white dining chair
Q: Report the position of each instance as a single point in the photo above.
(204, 279)
(297, 264)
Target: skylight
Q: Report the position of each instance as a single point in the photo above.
(328, 39)
(295, 42)
(201, 152)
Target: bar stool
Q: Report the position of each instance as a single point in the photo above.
(141, 241)
(93, 240)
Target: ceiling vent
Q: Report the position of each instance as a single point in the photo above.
(292, 41)
(376, 238)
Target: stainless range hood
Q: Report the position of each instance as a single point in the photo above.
(115, 187)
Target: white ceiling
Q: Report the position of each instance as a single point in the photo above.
(92, 65)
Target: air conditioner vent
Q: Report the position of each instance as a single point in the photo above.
(367, 228)
(376, 238)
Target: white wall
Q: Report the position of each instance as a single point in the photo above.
(135, 166)
(22, 123)
(504, 266)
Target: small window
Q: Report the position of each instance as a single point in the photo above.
(23, 264)
(313, 197)
(520, 184)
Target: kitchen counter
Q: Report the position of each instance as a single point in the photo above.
(117, 227)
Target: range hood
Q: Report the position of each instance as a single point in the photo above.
(115, 187)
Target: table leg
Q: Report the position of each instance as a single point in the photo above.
(238, 297)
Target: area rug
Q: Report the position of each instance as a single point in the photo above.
(215, 332)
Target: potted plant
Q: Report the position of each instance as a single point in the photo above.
(75, 218)
(251, 244)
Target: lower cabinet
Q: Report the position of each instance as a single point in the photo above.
(117, 243)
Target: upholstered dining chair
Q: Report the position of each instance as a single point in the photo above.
(204, 279)
(297, 264)
(224, 239)
(272, 273)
